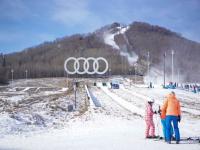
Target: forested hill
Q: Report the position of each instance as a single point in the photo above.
(122, 45)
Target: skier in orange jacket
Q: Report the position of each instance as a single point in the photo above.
(163, 122)
(173, 114)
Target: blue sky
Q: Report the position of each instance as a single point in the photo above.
(25, 23)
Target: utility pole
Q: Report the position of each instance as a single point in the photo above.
(12, 71)
(130, 76)
(178, 76)
(122, 64)
(148, 56)
(164, 68)
(67, 81)
(75, 88)
(110, 70)
(172, 65)
(135, 72)
(110, 73)
(26, 72)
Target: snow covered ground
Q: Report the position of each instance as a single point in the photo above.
(37, 119)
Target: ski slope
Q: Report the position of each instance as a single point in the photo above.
(118, 124)
(102, 132)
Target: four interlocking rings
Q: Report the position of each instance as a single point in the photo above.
(86, 65)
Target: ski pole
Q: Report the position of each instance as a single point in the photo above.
(158, 129)
(158, 121)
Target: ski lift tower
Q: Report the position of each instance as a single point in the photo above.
(164, 69)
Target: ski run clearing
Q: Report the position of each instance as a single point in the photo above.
(34, 116)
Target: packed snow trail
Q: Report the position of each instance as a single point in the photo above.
(123, 103)
(111, 107)
(92, 98)
(190, 117)
(159, 98)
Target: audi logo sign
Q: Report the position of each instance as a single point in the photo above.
(86, 65)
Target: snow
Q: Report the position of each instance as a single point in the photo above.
(109, 39)
(131, 56)
(51, 92)
(55, 92)
(101, 132)
(155, 76)
(26, 89)
(160, 93)
(84, 135)
(63, 89)
(90, 98)
(16, 98)
(117, 124)
(123, 103)
(124, 29)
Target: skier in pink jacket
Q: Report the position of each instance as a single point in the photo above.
(150, 127)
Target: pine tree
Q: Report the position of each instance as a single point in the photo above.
(4, 61)
(1, 58)
(3, 70)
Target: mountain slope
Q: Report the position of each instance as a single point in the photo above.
(119, 44)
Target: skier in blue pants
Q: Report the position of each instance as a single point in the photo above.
(163, 121)
(173, 115)
(174, 120)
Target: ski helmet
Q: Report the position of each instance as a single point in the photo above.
(151, 100)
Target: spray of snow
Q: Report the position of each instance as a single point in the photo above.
(132, 58)
(156, 76)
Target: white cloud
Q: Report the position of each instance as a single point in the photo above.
(71, 11)
(76, 12)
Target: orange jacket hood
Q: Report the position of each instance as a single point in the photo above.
(171, 106)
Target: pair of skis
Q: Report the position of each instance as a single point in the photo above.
(183, 140)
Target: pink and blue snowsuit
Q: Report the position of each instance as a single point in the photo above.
(150, 127)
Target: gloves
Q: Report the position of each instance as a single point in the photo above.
(179, 118)
(159, 111)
